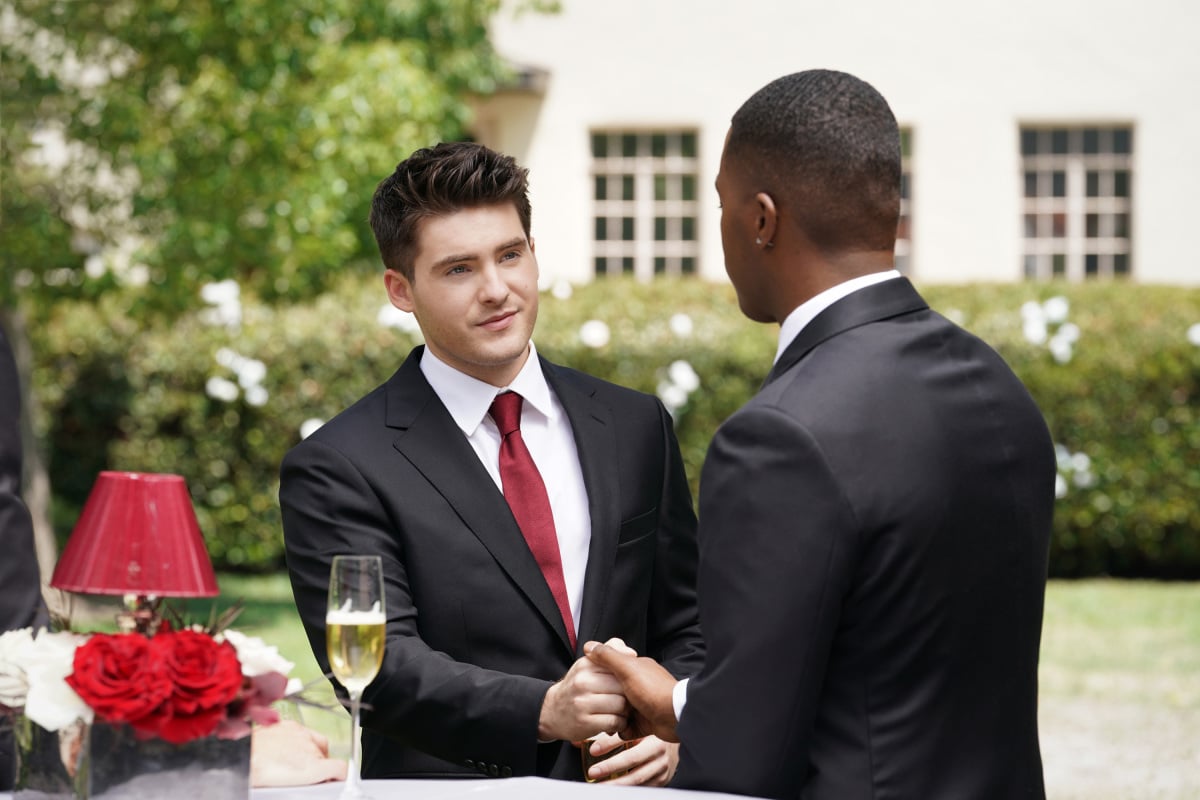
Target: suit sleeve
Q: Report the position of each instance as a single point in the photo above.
(776, 553)
(422, 697)
(674, 638)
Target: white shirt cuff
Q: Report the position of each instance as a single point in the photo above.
(679, 697)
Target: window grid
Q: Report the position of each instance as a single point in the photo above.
(903, 257)
(645, 208)
(1077, 202)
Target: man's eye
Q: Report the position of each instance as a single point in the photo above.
(457, 269)
(510, 255)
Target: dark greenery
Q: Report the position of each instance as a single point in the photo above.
(116, 395)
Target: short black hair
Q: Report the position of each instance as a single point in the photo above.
(825, 145)
(442, 179)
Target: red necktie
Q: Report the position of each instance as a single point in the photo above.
(526, 496)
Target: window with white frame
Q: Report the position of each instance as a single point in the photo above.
(645, 207)
(904, 229)
(1077, 205)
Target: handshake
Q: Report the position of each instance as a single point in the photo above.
(612, 697)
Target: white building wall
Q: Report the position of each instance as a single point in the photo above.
(963, 76)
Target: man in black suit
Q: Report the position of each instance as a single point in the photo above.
(21, 603)
(875, 522)
(482, 671)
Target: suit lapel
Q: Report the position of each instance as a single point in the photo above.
(879, 301)
(595, 439)
(431, 441)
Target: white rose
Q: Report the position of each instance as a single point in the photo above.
(51, 702)
(14, 685)
(257, 657)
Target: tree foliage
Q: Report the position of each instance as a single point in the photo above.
(161, 144)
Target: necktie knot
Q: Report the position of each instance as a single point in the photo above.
(506, 411)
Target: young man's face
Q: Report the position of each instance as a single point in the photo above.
(474, 290)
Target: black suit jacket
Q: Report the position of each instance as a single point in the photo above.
(474, 636)
(874, 529)
(20, 588)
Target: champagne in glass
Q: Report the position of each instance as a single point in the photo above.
(355, 624)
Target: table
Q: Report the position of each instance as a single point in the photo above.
(484, 789)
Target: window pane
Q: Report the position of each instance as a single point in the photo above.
(627, 264)
(687, 145)
(1121, 225)
(1093, 183)
(599, 145)
(1121, 264)
(660, 265)
(660, 229)
(688, 265)
(1091, 264)
(1059, 225)
(1031, 226)
(905, 142)
(1059, 261)
(1031, 184)
(1059, 181)
(601, 188)
(689, 229)
(599, 267)
(1031, 270)
(601, 229)
(626, 187)
(904, 179)
(1121, 183)
(689, 187)
(904, 227)
(629, 145)
(1093, 226)
(1122, 141)
(660, 187)
(1091, 141)
(1058, 142)
(658, 145)
(627, 229)
(1029, 142)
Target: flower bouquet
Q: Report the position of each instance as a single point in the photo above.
(133, 715)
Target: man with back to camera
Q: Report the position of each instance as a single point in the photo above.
(875, 522)
(482, 671)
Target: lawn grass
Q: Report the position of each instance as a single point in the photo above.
(1107, 643)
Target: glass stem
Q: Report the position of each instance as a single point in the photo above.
(353, 784)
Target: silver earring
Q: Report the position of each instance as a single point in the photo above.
(758, 241)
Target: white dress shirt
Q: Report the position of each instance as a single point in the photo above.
(795, 322)
(551, 441)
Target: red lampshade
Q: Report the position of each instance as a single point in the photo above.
(137, 535)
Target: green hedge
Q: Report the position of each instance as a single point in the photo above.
(1123, 408)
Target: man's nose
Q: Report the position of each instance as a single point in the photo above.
(494, 288)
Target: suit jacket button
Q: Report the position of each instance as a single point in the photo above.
(506, 772)
(481, 767)
(468, 763)
(493, 770)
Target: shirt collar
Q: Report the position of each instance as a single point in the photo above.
(468, 399)
(807, 311)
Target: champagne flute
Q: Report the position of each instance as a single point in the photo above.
(355, 623)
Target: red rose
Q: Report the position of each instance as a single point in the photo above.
(204, 677)
(117, 677)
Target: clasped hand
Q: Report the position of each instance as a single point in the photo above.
(591, 701)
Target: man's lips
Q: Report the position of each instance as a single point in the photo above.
(499, 321)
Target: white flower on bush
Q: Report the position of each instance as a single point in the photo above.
(310, 426)
(1037, 319)
(391, 317)
(672, 396)
(594, 333)
(1056, 310)
(683, 376)
(33, 671)
(1193, 334)
(225, 297)
(562, 289)
(256, 396)
(681, 325)
(257, 657)
(219, 388)
(1073, 468)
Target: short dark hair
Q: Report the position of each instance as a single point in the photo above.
(437, 180)
(826, 146)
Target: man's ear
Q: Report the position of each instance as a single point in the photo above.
(768, 219)
(531, 247)
(399, 289)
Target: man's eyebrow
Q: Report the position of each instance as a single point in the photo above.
(515, 242)
(454, 259)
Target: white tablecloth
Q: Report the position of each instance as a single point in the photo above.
(502, 789)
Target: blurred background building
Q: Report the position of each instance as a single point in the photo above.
(1041, 138)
